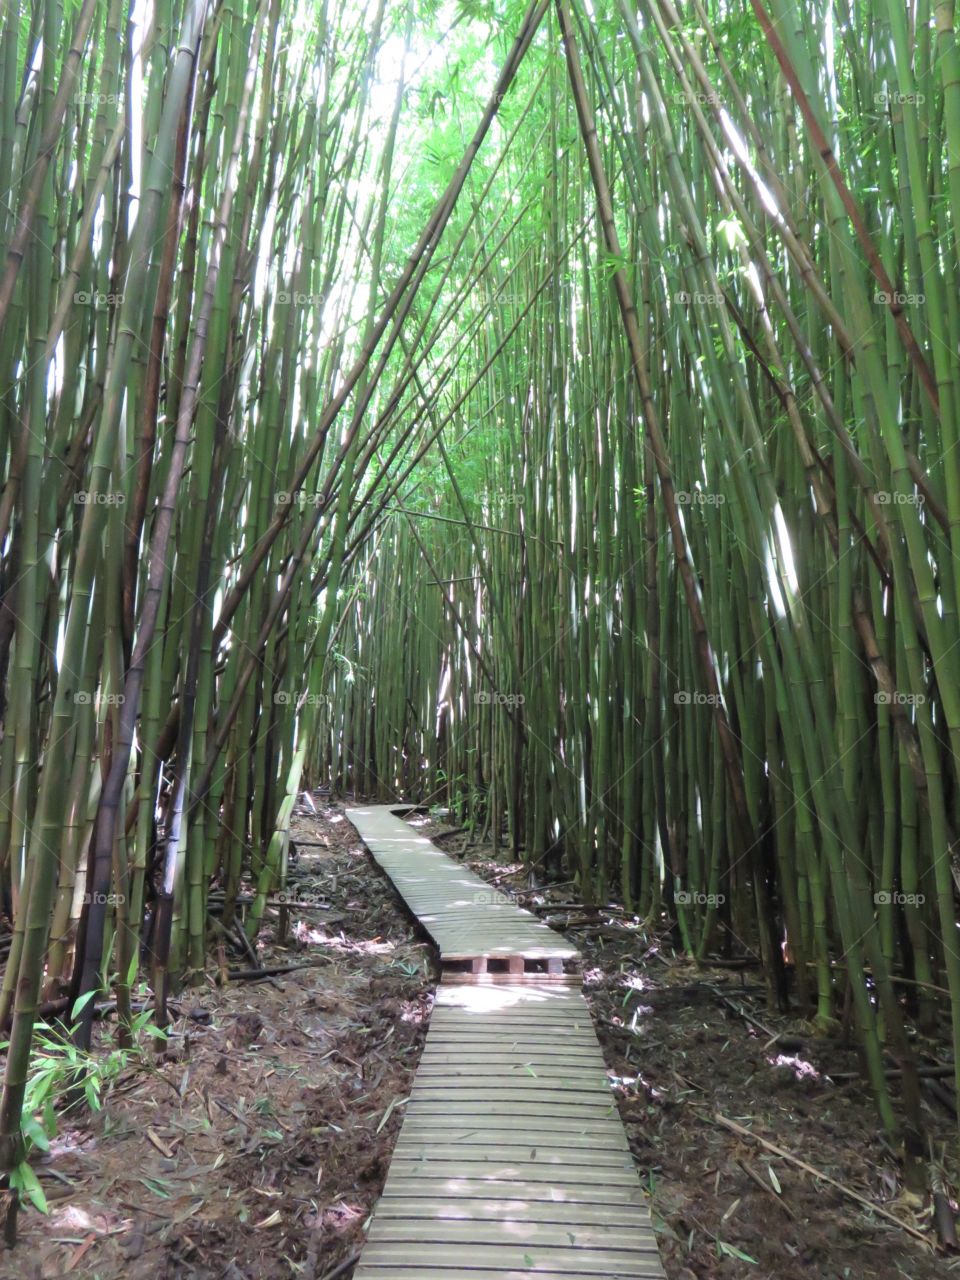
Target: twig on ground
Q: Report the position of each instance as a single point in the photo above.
(764, 1186)
(341, 1268)
(742, 1132)
(251, 975)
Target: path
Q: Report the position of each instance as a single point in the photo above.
(511, 1161)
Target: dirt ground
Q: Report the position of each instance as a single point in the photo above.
(257, 1149)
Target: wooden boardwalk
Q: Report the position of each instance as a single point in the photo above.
(471, 923)
(511, 1161)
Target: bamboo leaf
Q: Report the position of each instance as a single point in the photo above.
(25, 1180)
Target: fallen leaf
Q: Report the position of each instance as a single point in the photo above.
(79, 1252)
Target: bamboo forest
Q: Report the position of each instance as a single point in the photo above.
(479, 639)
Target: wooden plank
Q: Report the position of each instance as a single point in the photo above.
(552, 1000)
(562, 1139)
(519, 1118)
(549, 1029)
(559, 1013)
(543, 1027)
(546, 1029)
(505, 1093)
(569, 1193)
(443, 1271)
(587, 1126)
(506, 1065)
(492, 1048)
(481, 1209)
(514, 1103)
(509, 1064)
(462, 1143)
(584, 1173)
(500, 1081)
(516, 1091)
(552, 1042)
(532, 1236)
(553, 1035)
(562, 1008)
(412, 1148)
(513, 1039)
(511, 1033)
(569, 1261)
(508, 1108)
(534, 995)
(516, 1085)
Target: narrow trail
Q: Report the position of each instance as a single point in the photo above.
(511, 1161)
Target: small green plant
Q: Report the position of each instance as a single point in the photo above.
(63, 1077)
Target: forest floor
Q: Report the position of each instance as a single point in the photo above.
(257, 1151)
(258, 1146)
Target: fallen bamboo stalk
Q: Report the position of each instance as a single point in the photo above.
(892, 1073)
(849, 1192)
(252, 975)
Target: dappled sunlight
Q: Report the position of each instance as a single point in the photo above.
(479, 999)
